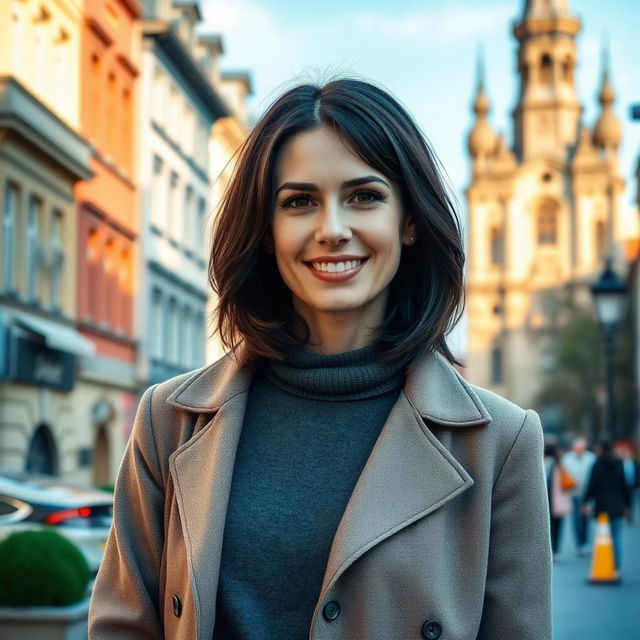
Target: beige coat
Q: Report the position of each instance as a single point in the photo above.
(446, 534)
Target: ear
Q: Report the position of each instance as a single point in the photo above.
(267, 243)
(409, 236)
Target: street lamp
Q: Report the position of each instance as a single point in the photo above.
(609, 295)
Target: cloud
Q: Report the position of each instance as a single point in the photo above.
(442, 24)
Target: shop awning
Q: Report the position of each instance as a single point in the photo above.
(57, 336)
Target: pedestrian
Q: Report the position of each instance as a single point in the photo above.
(608, 492)
(558, 494)
(578, 462)
(631, 473)
(333, 476)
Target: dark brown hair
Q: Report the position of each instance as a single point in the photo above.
(426, 296)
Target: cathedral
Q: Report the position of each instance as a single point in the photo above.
(544, 214)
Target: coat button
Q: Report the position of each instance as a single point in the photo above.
(431, 629)
(331, 610)
(177, 606)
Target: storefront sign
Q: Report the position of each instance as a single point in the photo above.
(36, 364)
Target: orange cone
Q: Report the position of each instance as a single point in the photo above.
(603, 564)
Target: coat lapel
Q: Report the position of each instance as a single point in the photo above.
(409, 473)
(202, 471)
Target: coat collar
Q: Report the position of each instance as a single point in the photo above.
(434, 388)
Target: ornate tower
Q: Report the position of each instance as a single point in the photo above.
(547, 114)
(543, 212)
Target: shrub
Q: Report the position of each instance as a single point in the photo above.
(41, 568)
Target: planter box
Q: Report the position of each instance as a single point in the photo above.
(45, 623)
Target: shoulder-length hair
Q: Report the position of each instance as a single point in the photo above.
(426, 296)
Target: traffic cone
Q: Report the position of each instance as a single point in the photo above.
(603, 563)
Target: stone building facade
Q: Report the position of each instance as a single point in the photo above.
(544, 213)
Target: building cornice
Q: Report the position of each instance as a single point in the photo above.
(168, 42)
(97, 29)
(128, 65)
(133, 7)
(25, 116)
(566, 25)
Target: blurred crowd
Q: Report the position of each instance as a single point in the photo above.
(583, 483)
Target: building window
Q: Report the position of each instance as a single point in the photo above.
(496, 365)
(547, 223)
(113, 130)
(600, 240)
(57, 259)
(94, 115)
(9, 220)
(171, 331)
(198, 340)
(185, 343)
(567, 70)
(173, 213)
(497, 250)
(112, 289)
(126, 143)
(546, 69)
(125, 277)
(198, 242)
(61, 74)
(157, 325)
(188, 216)
(158, 204)
(33, 250)
(94, 269)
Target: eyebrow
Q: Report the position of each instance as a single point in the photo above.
(309, 186)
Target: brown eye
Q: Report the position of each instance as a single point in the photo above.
(289, 202)
(370, 195)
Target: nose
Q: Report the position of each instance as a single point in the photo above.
(332, 225)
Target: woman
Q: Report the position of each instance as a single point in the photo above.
(334, 477)
(559, 498)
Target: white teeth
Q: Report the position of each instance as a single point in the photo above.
(336, 267)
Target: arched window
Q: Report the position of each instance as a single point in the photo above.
(600, 240)
(101, 473)
(546, 69)
(497, 246)
(42, 456)
(496, 365)
(567, 69)
(547, 223)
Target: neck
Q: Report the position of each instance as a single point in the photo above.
(339, 331)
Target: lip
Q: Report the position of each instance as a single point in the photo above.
(340, 276)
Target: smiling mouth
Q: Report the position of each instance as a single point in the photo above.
(336, 270)
(336, 267)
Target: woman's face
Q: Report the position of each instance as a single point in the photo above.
(338, 228)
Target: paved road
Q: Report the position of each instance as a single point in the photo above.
(596, 612)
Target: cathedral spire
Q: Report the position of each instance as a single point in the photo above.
(538, 8)
(547, 115)
(482, 139)
(607, 132)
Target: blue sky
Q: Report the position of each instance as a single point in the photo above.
(425, 52)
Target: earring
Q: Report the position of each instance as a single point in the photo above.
(411, 240)
(268, 247)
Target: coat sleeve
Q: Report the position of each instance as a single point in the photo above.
(517, 602)
(125, 600)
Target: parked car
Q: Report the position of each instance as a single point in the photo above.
(82, 514)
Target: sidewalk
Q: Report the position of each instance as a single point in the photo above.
(583, 611)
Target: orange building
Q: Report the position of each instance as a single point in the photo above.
(108, 223)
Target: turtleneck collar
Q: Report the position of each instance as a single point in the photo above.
(352, 375)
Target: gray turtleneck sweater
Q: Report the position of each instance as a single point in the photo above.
(309, 427)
